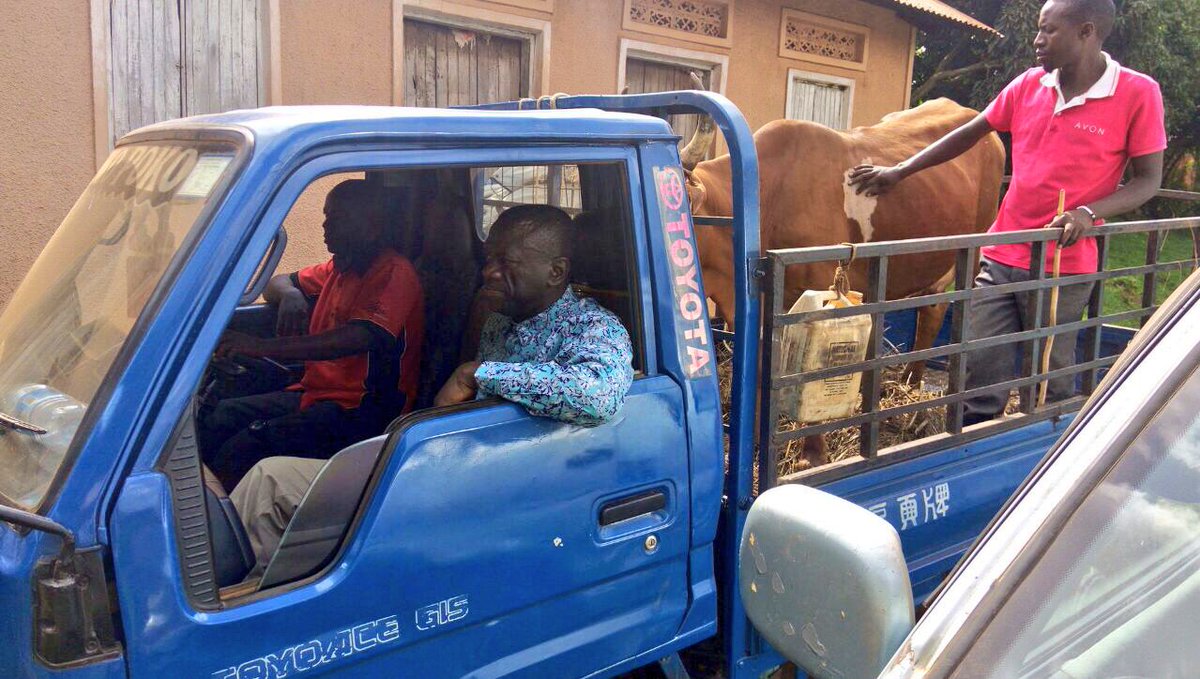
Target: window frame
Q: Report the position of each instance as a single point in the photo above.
(796, 74)
(337, 161)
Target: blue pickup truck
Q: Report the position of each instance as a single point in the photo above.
(467, 541)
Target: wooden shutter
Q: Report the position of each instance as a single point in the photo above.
(144, 54)
(221, 61)
(448, 66)
(172, 58)
(824, 103)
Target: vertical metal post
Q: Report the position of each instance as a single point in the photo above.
(872, 383)
(1094, 335)
(554, 185)
(1150, 280)
(964, 274)
(1031, 354)
(768, 453)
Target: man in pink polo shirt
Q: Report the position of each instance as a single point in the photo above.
(1077, 121)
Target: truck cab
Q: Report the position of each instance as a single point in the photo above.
(470, 540)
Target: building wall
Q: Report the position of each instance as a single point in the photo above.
(328, 54)
(46, 139)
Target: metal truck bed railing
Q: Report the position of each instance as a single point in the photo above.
(878, 257)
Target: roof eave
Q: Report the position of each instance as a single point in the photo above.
(926, 20)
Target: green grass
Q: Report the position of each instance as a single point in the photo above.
(1125, 293)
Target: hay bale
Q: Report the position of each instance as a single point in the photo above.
(844, 443)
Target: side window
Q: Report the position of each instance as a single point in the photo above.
(500, 188)
(247, 414)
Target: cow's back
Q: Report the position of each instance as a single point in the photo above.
(805, 200)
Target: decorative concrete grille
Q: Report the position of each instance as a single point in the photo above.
(804, 37)
(698, 17)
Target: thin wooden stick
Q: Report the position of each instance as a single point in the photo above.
(1053, 321)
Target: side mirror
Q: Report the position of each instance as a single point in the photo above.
(824, 581)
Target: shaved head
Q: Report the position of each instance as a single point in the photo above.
(544, 228)
(1101, 14)
(358, 196)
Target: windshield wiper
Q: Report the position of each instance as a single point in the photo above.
(10, 422)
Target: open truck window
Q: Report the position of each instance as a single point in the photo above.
(432, 218)
(68, 322)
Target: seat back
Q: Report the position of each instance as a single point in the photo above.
(323, 517)
(449, 269)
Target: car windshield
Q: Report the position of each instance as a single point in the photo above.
(70, 317)
(1116, 593)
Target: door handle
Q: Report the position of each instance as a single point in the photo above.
(631, 506)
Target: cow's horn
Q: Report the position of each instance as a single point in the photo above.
(698, 147)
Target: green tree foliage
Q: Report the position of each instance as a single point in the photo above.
(1158, 37)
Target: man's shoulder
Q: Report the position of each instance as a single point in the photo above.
(1024, 78)
(395, 267)
(1136, 80)
(587, 312)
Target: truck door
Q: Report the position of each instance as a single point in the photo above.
(487, 542)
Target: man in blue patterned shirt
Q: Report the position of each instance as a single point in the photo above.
(555, 354)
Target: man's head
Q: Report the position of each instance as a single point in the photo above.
(528, 259)
(1070, 30)
(353, 225)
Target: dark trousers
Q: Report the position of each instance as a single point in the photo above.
(239, 432)
(1004, 314)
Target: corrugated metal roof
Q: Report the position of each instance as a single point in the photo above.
(943, 11)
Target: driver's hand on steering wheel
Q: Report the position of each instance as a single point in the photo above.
(235, 342)
(291, 317)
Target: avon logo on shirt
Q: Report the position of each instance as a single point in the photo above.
(1090, 129)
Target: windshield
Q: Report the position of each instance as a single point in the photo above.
(1117, 592)
(71, 315)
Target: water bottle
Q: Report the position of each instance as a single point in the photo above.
(51, 410)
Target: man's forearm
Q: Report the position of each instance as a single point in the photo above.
(1145, 179)
(587, 394)
(279, 287)
(948, 147)
(345, 341)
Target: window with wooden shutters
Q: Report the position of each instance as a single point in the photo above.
(173, 58)
(820, 98)
(455, 66)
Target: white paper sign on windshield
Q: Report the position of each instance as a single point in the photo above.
(203, 176)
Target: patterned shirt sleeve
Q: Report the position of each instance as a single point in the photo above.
(586, 386)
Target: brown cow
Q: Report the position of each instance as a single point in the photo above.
(806, 201)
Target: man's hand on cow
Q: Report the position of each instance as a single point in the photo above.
(874, 180)
(460, 388)
(1075, 225)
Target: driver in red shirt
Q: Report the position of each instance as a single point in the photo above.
(360, 343)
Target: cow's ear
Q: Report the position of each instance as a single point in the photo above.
(695, 190)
